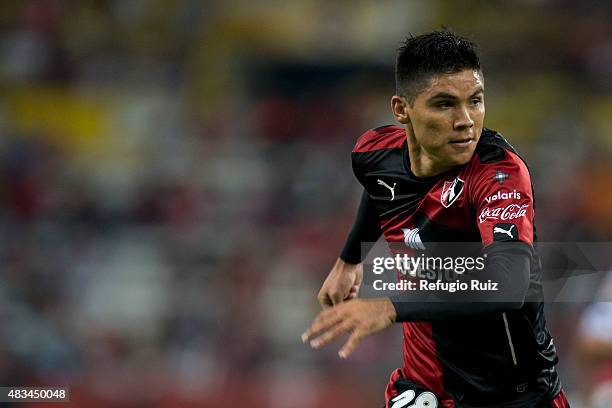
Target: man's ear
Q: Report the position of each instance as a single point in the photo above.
(399, 107)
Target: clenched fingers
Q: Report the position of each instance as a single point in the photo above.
(354, 292)
(329, 298)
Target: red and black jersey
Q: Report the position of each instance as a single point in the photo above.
(492, 359)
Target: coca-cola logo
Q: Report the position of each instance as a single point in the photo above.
(509, 212)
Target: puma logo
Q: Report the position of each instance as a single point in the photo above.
(392, 189)
(503, 231)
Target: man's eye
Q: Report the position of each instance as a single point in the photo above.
(476, 101)
(444, 104)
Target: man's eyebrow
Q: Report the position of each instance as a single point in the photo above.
(445, 95)
(478, 90)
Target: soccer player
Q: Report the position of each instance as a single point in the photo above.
(443, 177)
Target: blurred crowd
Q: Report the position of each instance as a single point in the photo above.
(175, 184)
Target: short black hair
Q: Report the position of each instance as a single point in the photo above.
(438, 52)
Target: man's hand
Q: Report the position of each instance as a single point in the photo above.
(359, 317)
(341, 284)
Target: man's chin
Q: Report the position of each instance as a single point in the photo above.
(461, 159)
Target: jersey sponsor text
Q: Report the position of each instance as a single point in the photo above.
(499, 195)
(509, 212)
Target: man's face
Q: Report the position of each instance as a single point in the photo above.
(447, 117)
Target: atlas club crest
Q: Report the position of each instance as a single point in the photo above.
(451, 190)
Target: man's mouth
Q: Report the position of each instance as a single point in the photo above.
(462, 142)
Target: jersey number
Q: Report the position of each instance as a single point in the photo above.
(425, 400)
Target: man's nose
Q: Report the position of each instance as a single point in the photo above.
(463, 119)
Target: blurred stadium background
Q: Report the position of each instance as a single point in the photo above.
(175, 183)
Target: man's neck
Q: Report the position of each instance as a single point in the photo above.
(421, 164)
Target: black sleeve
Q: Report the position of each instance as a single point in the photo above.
(507, 264)
(365, 230)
